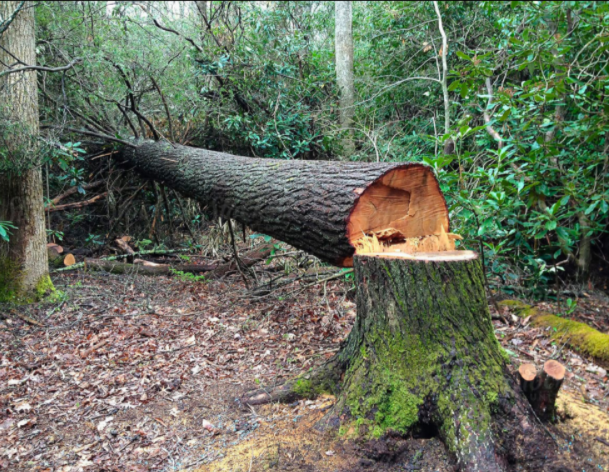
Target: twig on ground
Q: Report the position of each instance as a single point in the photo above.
(236, 255)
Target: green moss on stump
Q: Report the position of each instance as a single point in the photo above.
(306, 388)
(423, 339)
(10, 285)
(10, 273)
(580, 336)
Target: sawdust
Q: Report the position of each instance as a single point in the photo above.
(285, 441)
(584, 431)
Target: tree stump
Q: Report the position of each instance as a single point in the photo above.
(541, 390)
(422, 358)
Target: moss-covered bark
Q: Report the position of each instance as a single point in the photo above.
(422, 358)
(23, 259)
(579, 336)
(423, 354)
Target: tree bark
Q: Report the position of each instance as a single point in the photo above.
(343, 42)
(422, 359)
(23, 260)
(320, 207)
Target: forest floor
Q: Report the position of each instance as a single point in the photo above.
(142, 373)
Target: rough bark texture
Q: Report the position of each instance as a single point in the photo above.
(23, 260)
(343, 42)
(304, 203)
(422, 358)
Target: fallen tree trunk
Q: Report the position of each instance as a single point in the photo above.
(152, 252)
(324, 208)
(422, 359)
(115, 267)
(216, 271)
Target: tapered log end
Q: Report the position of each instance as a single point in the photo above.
(401, 212)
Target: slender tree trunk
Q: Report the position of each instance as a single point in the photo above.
(449, 145)
(422, 359)
(23, 260)
(343, 39)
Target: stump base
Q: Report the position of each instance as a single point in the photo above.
(422, 358)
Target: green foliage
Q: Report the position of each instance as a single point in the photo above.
(55, 234)
(533, 200)
(187, 276)
(94, 240)
(5, 230)
(571, 306)
(259, 80)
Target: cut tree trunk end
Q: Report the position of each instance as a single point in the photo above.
(329, 209)
(541, 390)
(422, 359)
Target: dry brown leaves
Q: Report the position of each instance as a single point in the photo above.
(122, 374)
(141, 373)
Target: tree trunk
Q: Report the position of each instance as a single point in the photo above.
(343, 42)
(212, 272)
(324, 208)
(23, 260)
(422, 359)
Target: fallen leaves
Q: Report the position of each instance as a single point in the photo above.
(535, 345)
(105, 383)
(207, 425)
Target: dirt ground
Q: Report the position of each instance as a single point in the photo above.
(143, 373)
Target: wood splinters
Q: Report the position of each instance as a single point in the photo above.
(393, 240)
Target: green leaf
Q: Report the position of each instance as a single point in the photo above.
(562, 233)
(510, 353)
(464, 56)
(591, 208)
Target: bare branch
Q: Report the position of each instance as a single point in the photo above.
(91, 133)
(169, 30)
(5, 24)
(156, 86)
(69, 206)
(443, 81)
(41, 68)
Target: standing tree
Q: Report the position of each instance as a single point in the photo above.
(23, 259)
(343, 40)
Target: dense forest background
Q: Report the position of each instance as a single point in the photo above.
(515, 122)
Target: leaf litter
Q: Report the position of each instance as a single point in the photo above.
(141, 373)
